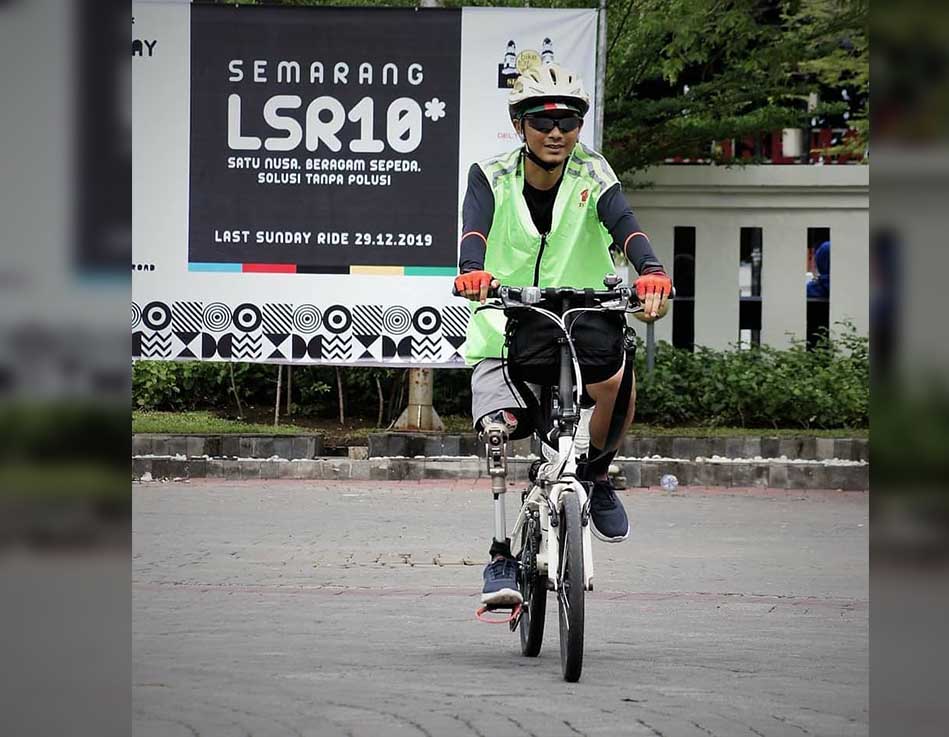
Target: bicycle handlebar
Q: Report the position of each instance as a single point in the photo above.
(533, 295)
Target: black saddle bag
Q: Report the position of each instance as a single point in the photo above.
(533, 346)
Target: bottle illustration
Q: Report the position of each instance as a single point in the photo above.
(547, 52)
(507, 69)
(510, 56)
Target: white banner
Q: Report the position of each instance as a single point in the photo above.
(299, 172)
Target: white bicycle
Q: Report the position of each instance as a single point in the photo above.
(552, 531)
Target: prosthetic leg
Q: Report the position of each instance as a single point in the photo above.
(495, 436)
(495, 432)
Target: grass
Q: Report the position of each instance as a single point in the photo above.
(203, 422)
(207, 423)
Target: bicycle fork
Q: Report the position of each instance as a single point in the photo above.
(552, 554)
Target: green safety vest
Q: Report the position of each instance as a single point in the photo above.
(574, 254)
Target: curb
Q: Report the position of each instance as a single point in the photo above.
(411, 445)
(237, 446)
(639, 473)
(390, 444)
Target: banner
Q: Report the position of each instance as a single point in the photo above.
(299, 173)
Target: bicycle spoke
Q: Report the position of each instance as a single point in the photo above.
(565, 603)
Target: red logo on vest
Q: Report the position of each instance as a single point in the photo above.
(583, 197)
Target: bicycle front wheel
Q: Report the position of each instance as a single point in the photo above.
(571, 592)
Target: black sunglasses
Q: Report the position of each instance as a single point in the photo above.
(545, 125)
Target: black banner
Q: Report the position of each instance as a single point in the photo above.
(324, 138)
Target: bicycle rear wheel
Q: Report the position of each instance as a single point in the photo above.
(571, 591)
(534, 590)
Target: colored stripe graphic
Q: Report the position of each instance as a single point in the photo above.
(214, 267)
(377, 270)
(322, 269)
(270, 268)
(295, 269)
(431, 271)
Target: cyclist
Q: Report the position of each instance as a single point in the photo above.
(546, 214)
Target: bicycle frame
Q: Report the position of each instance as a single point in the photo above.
(544, 496)
(553, 479)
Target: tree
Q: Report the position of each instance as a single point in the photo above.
(682, 74)
(685, 73)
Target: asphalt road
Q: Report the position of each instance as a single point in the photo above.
(347, 608)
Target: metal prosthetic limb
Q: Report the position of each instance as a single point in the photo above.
(495, 434)
(495, 437)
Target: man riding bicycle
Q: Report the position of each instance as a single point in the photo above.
(546, 214)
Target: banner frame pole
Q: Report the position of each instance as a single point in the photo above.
(600, 92)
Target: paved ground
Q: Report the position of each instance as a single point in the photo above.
(332, 608)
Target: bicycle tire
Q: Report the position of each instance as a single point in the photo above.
(570, 596)
(534, 590)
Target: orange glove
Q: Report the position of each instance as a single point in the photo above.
(475, 285)
(653, 291)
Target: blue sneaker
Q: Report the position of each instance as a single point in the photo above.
(609, 519)
(500, 584)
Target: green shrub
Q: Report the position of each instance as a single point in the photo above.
(188, 385)
(827, 387)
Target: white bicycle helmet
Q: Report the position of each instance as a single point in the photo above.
(548, 87)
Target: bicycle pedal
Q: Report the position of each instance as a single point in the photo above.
(482, 611)
(516, 617)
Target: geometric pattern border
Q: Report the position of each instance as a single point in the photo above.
(304, 333)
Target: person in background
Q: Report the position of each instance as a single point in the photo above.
(819, 287)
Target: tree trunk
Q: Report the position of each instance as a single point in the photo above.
(381, 402)
(240, 410)
(339, 385)
(395, 398)
(402, 382)
(390, 410)
(276, 409)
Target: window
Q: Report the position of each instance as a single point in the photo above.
(683, 277)
(749, 287)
